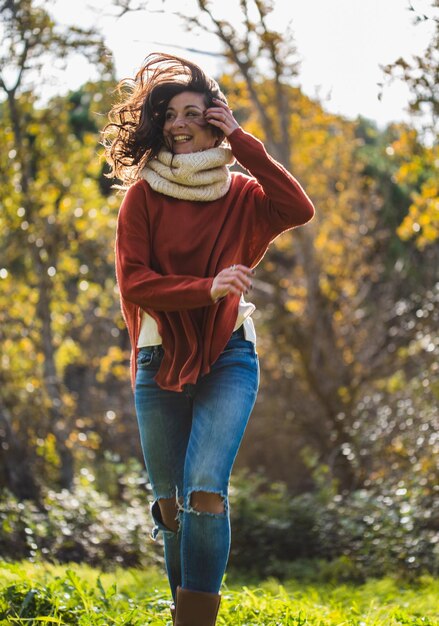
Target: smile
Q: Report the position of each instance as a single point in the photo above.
(179, 138)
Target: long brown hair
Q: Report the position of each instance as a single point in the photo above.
(134, 134)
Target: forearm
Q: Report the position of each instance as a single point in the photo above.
(149, 290)
(280, 192)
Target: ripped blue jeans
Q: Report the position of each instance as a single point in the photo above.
(190, 440)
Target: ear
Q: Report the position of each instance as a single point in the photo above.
(219, 140)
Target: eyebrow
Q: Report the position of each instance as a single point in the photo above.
(188, 106)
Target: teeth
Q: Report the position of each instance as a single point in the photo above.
(181, 138)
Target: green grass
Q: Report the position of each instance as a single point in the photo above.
(39, 593)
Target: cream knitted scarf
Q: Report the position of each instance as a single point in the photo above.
(201, 176)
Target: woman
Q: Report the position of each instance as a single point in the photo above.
(189, 234)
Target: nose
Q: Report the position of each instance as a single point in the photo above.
(178, 122)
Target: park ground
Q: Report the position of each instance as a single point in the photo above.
(43, 593)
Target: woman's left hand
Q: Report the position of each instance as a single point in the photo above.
(222, 117)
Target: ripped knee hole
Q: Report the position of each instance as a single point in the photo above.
(207, 502)
(169, 509)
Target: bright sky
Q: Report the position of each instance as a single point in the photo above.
(341, 45)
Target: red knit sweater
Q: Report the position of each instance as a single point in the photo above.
(168, 252)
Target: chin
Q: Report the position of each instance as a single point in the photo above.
(183, 149)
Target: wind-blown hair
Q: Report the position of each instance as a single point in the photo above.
(134, 134)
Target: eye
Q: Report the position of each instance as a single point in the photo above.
(169, 116)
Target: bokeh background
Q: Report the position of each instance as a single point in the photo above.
(338, 472)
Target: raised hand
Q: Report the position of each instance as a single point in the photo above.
(222, 117)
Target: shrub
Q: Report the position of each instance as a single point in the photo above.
(81, 525)
(318, 535)
(361, 534)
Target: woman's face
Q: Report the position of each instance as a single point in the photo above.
(185, 129)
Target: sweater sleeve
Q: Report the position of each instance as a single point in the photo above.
(138, 283)
(279, 198)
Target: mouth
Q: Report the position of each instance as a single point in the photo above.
(181, 138)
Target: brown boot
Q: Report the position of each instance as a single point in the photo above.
(196, 608)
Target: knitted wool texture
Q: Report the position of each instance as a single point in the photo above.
(200, 176)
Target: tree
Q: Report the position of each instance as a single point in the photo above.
(417, 149)
(38, 219)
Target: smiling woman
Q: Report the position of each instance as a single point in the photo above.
(189, 234)
(186, 128)
(153, 106)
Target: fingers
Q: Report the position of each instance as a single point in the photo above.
(235, 280)
(239, 276)
(221, 116)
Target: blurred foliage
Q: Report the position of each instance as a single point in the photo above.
(59, 304)
(418, 150)
(57, 256)
(82, 524)
(386, 529)
(391, 529)
(419, 168)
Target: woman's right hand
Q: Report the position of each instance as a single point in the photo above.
(234, 279)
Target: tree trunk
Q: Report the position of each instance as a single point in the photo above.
(58, 420)
(15, 476)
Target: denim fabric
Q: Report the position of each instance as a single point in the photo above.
(190, 440)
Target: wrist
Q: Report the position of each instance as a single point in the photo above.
(232, 130)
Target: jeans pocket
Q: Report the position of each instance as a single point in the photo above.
(145, 357)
